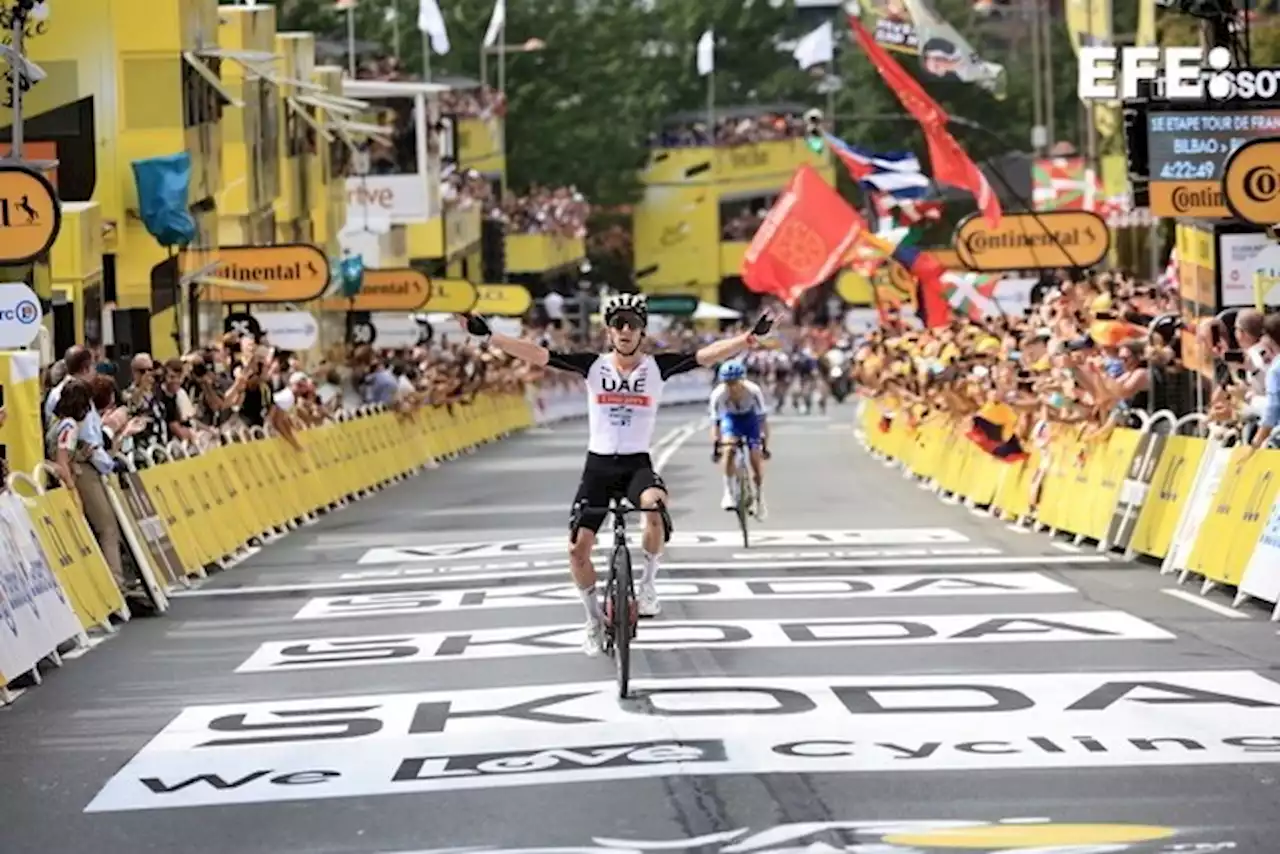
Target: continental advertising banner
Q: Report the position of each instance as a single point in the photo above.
(1030, 241)
(287, 272)
(385, 290)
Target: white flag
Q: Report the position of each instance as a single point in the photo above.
(431, 22)
(497, 22)
(816, 47)
(706, 53)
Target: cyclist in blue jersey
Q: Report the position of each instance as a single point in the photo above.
(805, 364)
(739, 410)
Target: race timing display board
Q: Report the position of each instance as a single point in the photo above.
(1187, 150)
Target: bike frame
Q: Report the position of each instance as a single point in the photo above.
(746, 485)
(621, 611)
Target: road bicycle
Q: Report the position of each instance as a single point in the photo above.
(621, 610)
(744, 488)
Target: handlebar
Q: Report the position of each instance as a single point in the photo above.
(615, 507)
(737, 442)
(619, 511)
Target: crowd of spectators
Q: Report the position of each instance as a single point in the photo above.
(1091, 351)
(475, 102)
(561, 211)
(97, 416)
(462, 188)
(744, 130)
(480, 102)
(743, 224)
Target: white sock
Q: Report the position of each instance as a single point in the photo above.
(592, 603)
(650, 572)
(728, 483)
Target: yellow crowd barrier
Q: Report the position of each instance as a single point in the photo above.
(1238, 511)
(186, 511)
(1142, 491)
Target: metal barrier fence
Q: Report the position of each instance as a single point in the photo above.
(185, 511)
(1174, 489)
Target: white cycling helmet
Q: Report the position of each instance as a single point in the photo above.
(634, 303)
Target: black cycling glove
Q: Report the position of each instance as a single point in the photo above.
(715, 454)
(478, 326)
(763, 324)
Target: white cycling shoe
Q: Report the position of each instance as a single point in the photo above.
(761, 510)
(728, 502)
(593, 643)
(647, 600)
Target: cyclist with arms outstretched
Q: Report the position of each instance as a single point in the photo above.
(739, 411)
(624, 391)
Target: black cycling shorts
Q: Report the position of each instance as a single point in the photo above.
(613, 476)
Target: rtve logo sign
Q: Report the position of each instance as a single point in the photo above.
(1179, 73)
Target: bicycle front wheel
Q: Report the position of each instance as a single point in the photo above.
(623, 599)
(745, 498)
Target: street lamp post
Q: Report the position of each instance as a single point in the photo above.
(532, 45)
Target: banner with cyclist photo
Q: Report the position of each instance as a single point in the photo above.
(914, 27)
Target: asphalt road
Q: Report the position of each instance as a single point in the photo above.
(880, 672)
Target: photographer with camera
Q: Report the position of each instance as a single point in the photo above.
(206, 386)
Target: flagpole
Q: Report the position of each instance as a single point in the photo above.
(1091, 134)
(351, 40)
(1047, 20)
(426, 56)
(831, 90)
(502, 89)
(711, 104)
(395, 27)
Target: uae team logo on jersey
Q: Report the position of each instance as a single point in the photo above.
(621, 394)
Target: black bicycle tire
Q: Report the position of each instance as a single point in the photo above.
(620, 571)
(743, 504)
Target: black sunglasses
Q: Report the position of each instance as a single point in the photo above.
(625, 321)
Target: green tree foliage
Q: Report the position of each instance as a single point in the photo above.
(1263, 32)
(580, 110)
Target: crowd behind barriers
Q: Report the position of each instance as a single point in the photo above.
(746, 130)
(561, 211)
(1092, 351)
(96, 416)
(744, 224)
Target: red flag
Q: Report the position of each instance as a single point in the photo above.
(931, 302)
(951, 165)
(803, 240)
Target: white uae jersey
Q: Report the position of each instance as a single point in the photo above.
(623, 410)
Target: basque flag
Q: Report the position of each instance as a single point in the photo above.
(896, 174)
(931, 303)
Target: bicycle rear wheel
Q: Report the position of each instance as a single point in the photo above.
(623, 598)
